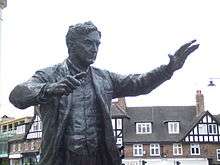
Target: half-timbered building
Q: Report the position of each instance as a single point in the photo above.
(168, 135)
(175, 135)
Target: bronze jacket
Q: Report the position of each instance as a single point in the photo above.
(54, 111)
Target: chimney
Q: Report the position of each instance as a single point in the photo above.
(199, 102)
(122, 103)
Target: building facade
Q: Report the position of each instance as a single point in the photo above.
(24, 148)
(167, 135)
(9, 128)
(172, 135)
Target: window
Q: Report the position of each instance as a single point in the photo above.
(13, 147)
(26, 146)
(32, 145)
(212, 128)
(10, 127)
(155, 150)
(138, 150)
(113, 123)
(195, 149)
(119, 141)
(15, 126)
(177, 149)
(20, 129)
(173, 127)
(203, 129)
(19, 147)
(119, 123)
(35, 126)
(4, 128)
(143, 128)
(218, 154)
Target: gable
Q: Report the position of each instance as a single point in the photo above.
(206, 129)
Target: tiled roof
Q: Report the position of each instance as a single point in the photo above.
(117, 111)
(217, 117)
(159, 116)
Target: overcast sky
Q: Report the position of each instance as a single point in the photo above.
(137, 36)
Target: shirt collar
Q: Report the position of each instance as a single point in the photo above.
(73, 68)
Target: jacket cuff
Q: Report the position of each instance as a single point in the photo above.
(42, 97)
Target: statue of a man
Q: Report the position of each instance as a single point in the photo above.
(75, 100)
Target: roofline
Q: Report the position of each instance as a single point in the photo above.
(150, 142)
(14, 120)
(191, 128)
(168, 142)
(123, 111)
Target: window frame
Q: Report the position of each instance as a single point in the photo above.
(195, 146)
(171, 127)
(218, 154)
(177, 147)
(144, 125)
(202, 129)
(212, 129)
(19, 147)
(13, 147)
(139, 148)
(154, 147)
(32, 145)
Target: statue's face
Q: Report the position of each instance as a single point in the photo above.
(87, 48)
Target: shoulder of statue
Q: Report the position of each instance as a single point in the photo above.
(54, 70)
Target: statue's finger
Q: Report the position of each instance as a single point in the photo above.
(73, 81)
(193, 41)
(191, 49)
(61, 92)
(184, 47)
(68, 89)
(64, 88)
(71, 84)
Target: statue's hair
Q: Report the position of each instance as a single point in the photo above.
(79, 30)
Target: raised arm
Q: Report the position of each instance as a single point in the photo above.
(138, 84)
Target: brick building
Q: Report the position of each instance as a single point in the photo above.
(9, 127)
(171, 135)
(24, 147)
(168, 135)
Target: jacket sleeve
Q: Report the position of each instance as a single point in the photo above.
(30, 92)
(138, 84)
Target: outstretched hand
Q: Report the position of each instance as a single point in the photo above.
(178, 59)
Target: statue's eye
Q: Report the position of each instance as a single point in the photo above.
(88, 42)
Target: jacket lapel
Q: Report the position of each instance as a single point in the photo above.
(109, 137)
(97, 82)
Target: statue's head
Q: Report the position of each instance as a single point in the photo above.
(83, 41)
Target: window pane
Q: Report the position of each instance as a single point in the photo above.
(139, 128)
(119, 123)
(202, 128)
(113, 123)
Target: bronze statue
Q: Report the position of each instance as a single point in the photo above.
(75, 100)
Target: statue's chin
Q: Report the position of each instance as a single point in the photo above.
(90, 61)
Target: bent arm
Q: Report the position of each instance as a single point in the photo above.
(138, 84)
(30, 92)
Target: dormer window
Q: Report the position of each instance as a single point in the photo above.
(143, 128)
(173, 127)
